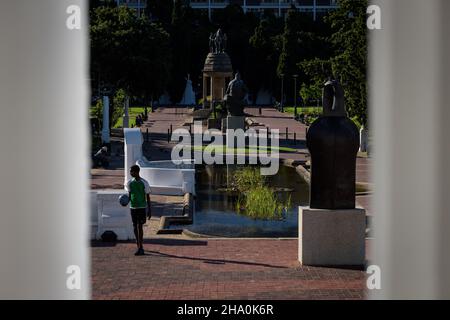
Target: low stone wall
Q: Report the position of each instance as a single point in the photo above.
(185, 216)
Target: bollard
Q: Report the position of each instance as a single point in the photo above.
(295, 138)
(168, 135)
(260, 111)
(287, 133)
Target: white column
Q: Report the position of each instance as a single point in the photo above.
(410, 115)
(245, 6)
(126, 117)
(279, 8)
(105, 129)
(44, 99)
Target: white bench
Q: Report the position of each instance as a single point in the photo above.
(166, 178)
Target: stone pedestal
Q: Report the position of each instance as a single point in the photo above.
(331, 237)
(233, 123)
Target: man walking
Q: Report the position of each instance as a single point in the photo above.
(139, 194)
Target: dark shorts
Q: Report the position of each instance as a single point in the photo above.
(139, 216)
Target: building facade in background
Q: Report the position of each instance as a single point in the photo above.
(138, 5)
(278, 7)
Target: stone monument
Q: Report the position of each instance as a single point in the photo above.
(217, 71)
(188, 95)
(234, 99)
(331, 229)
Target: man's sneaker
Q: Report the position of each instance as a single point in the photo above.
(140, 252)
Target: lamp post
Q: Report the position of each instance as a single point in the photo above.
(295, 76)
(282, 92)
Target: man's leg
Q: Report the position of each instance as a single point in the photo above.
(136, 233)
(141, 236)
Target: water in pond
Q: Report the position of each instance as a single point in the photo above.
(215, 207)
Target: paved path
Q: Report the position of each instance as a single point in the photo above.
(216, 269)
(177, 267)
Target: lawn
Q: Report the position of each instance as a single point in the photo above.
(133, 112)
(300, 110)
(248, 150)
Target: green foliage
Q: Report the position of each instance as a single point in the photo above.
(247, 178)
(262, 67)
(128, 52)
(310, 92)
(350, 61)
(305, 110)
(291, 44)
(357, 123)
(133, 112)
(118, 103)
(256, 200)
(97, 110)
(317, 71)
(160, 10)
(239, 27)
(302, 40)
(147, 58)
(262, 203)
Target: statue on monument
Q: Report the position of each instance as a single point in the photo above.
(235, 95)
(211, 42)
(333, 142)
(217, 42)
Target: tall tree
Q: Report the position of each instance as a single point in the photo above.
(239, 27)
(160, 10)
(350, 61)
(263, 56)
(181, 44)
(302, 39)
(128, 52)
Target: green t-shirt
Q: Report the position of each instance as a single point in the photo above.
(138, 190)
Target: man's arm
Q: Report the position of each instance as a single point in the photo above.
(147, 192)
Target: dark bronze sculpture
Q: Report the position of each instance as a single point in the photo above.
(235, 95)
(333, 142)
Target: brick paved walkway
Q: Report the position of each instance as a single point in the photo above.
(177, 267)
(216, 269)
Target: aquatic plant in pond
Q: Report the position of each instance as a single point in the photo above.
(256, 200)
(246, 178)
